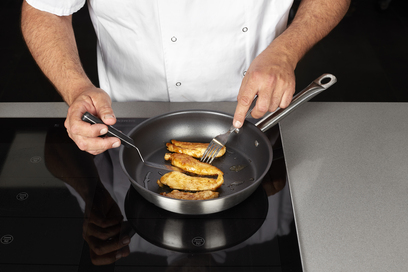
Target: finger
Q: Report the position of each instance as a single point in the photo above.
(263, 102)
(102, 247)
(123, 252)
(86, 135)
(245, 97)
(282, 94)
(101, 233)
(276, 96)
(287, 96)
(96, 145)
(109, 258)
(103, 220)
(81, 128)
(103, 107)
(96, 102)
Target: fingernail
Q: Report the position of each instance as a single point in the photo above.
(237, 124)
(103, 131)
(118, 255)
(115, 145)
(107, 116)
(126, 241)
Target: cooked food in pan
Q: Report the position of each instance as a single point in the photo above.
(191, 165)
(180, 181)
(195, 150)
(200, 185)
(203, 195)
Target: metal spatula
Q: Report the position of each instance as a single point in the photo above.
(127, 141)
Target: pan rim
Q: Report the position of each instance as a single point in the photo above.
(252, 186)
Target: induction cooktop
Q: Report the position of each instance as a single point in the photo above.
(62, 209)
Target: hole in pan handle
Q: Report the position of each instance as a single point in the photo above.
(317, 86)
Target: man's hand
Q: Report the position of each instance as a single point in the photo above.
(51, 41)
(85, 135)
(270, 76)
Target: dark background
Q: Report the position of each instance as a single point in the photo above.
(367, 52)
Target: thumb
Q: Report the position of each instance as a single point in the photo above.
(103, 107)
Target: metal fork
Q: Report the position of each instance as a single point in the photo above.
(219, 141)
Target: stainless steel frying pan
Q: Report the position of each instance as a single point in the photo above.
(248, 158)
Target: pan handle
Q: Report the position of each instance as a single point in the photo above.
(317, 86)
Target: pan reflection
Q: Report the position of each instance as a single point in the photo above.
(196, 233)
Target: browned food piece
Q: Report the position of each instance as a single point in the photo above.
(180, 181)
(203, 195)
(195, 150)
(192, 165)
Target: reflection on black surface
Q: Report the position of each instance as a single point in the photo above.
(103, 218)
(98, 186)
(196, 233)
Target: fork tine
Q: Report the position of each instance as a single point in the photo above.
(214, 154)
(215, 148)
(208, 151)
(204, 156)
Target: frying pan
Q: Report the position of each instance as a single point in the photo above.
(247, 160)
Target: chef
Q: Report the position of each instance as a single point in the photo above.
(175, 50)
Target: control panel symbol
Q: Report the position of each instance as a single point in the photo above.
(198, 241)
(6, 239)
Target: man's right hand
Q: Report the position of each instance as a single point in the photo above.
(51, 41)
(86, 136)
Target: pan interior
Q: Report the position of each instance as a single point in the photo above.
(246, 160)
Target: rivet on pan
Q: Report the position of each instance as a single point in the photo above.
(256, 143)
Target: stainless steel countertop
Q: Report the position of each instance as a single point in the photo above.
(348, 175)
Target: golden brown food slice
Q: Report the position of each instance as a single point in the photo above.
(192, 165)
(195, 150)
(180, 181)
(203, 195)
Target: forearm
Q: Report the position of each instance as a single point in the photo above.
(313, 21)
(51, 41)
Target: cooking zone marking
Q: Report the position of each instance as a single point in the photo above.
(198, 241)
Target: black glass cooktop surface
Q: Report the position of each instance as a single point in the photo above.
(62, 209)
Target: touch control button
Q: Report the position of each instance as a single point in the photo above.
(35, 159)
(22, 196)
(198, 241)
(6, 239)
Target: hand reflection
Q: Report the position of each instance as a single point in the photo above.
(102, 228)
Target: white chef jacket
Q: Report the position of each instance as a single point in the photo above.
(177, 50)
